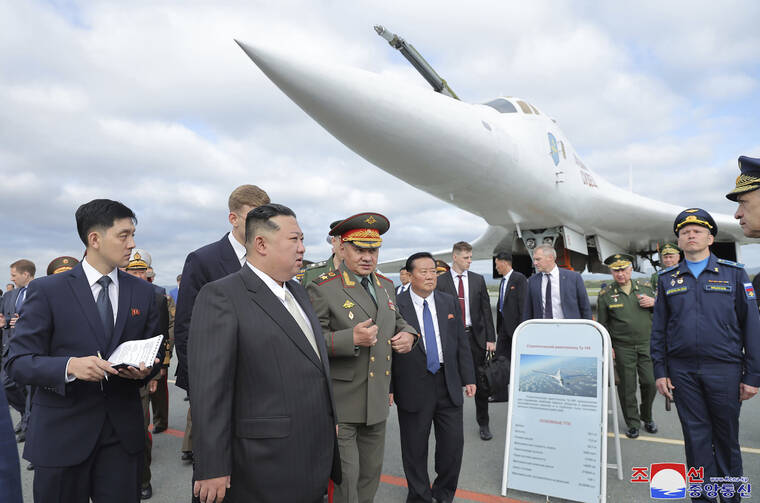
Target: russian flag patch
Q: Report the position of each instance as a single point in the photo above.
(749, 290)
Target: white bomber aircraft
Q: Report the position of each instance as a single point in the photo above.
(505, 160)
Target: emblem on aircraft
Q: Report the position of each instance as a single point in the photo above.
(554, 149)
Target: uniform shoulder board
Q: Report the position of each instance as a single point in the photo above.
(602, 292)
(663, 271)
(729, 262)
(382, 277)
(324, 278)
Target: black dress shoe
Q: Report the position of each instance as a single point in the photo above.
(159, 429)
(485, 433)
(21, 437)
(632, 433)
(650, 427)
(187, 456)
(146, 492)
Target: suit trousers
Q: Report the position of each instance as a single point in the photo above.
(707, 400)
(362, 448)
(414, 427)
(16, 394)
(187, 440)
(145, 399)
(481, 397)
(160, 403)
(109, 475)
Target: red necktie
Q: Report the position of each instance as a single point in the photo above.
(461, 300)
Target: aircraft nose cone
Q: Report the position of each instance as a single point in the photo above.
(416, 134)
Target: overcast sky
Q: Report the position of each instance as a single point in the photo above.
(153, 104)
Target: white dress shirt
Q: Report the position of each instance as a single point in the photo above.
(402, 288)
(93, 276)
(557, 312)
(239, 249)
(503, 292)
(418, 308)
(277, 290)
(113, 289)
(466, 284)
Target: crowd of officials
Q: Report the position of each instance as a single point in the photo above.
(290, 370)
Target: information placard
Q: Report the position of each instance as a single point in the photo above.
(557, 427)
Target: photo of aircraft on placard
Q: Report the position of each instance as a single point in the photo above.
(504, 160)
(558, 376)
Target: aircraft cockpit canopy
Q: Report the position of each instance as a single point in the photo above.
(506, 106)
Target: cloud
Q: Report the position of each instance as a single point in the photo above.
(156, 106)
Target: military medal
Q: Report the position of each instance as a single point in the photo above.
(680, 280)
(350, 315)
(348, 305)
(672, 282)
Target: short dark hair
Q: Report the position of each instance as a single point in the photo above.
(403, 268)
(414, 256)
(259, 219)
(461, 246)
(179, 277)
(100, 213)
(503, 255)
(24, 266)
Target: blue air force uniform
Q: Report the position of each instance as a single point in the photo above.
(706, 339)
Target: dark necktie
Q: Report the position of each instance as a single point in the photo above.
(105, 310)
(20, 298)
(501, 294)
(460, 295)
(431, 346)
(365, 284)
(548, 300)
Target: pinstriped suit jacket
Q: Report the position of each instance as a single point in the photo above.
(262, 403)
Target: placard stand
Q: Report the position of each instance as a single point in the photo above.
(548, 397)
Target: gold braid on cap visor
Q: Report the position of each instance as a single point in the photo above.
(693, 219)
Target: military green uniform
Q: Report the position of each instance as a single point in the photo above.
(312, 271)
(629, 326)
(360, 375)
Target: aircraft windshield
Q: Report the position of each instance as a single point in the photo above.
(502, 105)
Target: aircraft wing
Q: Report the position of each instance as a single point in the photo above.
(482, 249)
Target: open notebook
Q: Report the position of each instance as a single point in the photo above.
(132, 353)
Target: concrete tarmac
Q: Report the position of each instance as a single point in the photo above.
(481, 474)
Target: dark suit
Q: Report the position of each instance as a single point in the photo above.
(262, 403)
(512, 304)
(10, 477)
(15, 394)
(423, 399)
(85, 438)
(481, 331)
(573, 296)
(209, 263)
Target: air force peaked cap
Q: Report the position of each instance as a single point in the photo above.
(695, 216)
(748, 179)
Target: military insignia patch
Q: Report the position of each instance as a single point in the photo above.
(673, 291)
(350, 315)
(720, 288)
(371, 220)
(749, 290)
(331, 274)
(348, 304)
(672, 282)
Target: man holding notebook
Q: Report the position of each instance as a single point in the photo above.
(85, 437)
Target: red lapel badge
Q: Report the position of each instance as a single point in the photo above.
(135, 312)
